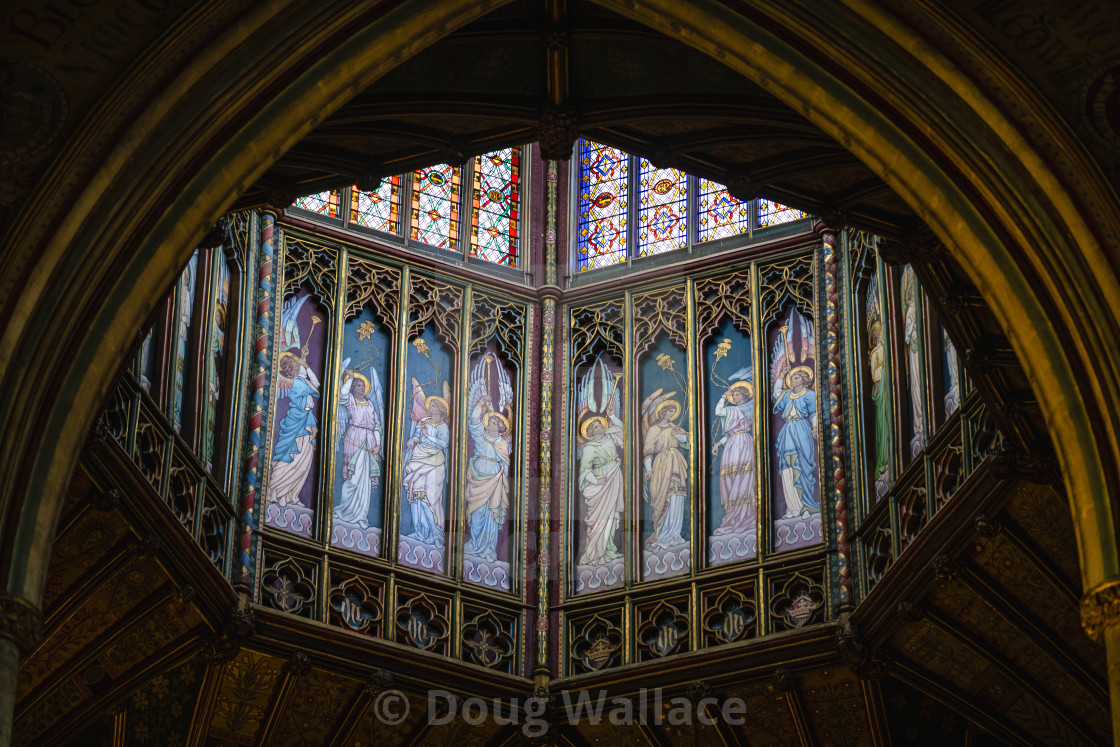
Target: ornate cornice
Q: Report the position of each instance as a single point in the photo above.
(20, 622)
(1100, 609)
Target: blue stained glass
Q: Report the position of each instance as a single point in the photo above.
(603, 201)
(772, 213)
(720, 214)
(662, 210)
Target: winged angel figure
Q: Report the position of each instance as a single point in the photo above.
(488, 473)
(735, 435)
(599, 449)
(791, 376)
(361, 418)
(665, 469)
(425, 463)
(294, 452)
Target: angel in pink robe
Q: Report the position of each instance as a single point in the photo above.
(425, 465)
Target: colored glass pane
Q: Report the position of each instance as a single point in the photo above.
(662, 210)
(603, 201)
(494, 217)
(380, 209)
(772, 213)
(435, 206)
(720, 215)
(324, 203)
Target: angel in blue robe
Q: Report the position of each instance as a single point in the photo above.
(796, 443)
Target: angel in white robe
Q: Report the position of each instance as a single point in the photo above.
(361, 429)
(424, 478)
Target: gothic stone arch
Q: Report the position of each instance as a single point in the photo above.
(985, 163)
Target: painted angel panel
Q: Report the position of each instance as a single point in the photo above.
(187, 285)
(733, 481)
(490, 413)
(361, 437)
(600, 444)
(292, 481)
(912, 338)
(951, 374)
(795, 423)
(880, 390)
(666, 545)
(426, 459)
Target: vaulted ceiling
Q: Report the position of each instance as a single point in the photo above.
(531, 71)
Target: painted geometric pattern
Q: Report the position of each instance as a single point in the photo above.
(494, 217)
(324, 203)
(602, 206)
(772, 213)
(662, 210)
(721, 215)
(380, 209)
(435, 206)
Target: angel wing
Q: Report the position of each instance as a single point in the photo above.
(377, 396)
(780, 365)
(343, 413)
(505, 390)
(477, 386)
(649, 405)
(746, 373)
(419, 411)
(289, 326)
(447, 397)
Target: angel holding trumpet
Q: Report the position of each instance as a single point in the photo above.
(488, 472)
(293, 454)
(424, 478)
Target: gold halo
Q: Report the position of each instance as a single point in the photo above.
(357, 375)
(588, 421)
(490, 416)
(802, 369)
(746, 385)
(663, 405)
(434, 398)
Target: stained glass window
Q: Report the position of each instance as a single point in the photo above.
(662, 209)
(494, 217)
(719, 214)
(771, 213)
(324, 203)
(380, 209)
(435, 206)
(603, 202)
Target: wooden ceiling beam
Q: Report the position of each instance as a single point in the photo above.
(1013, 672)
